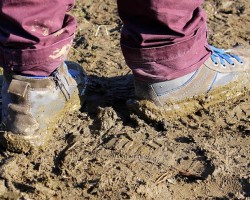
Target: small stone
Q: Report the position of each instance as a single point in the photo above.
(172, 181)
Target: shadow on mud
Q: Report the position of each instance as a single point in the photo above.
(246, 186)
(109, 91)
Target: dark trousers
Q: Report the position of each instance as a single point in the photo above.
(160, 40)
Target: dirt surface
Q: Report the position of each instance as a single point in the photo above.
(107, 152)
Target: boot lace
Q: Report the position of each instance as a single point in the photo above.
(220, 55)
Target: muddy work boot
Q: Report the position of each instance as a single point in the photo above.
(224, 76)
(32, 106)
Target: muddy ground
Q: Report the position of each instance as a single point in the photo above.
(107, 152)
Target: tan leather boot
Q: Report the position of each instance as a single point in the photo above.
(31, 107)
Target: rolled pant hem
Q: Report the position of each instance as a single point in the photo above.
(165, 52)
(41, 61)
(168, 62)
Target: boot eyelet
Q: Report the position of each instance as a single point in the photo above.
(232, 64)
(216, 64)
(224, 66)
(242, 63)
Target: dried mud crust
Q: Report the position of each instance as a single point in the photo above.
(107, 152)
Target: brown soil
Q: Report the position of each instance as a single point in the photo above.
(107, 152)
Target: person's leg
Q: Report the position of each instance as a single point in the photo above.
(35, 36)
(39, 86)
(164, 42)
(163, 39)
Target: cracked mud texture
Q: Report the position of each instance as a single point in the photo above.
(107, 152)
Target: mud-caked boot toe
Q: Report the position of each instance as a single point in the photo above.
(223, 77)
(32, 106)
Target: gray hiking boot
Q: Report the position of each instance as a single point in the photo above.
(31, 107)
(224, 76)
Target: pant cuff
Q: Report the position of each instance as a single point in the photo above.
(168, 62)
(40, 62)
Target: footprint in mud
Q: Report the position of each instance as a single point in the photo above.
(195, 168)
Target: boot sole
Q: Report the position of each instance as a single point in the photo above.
(148, 111)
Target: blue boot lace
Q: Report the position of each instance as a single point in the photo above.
(220, 55)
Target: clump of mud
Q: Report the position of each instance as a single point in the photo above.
(108, 152)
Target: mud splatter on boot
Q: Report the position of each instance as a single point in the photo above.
(223, 77)
(33, 106)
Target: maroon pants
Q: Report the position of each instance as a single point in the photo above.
(160, 40)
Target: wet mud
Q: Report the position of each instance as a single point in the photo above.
(107, 151)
